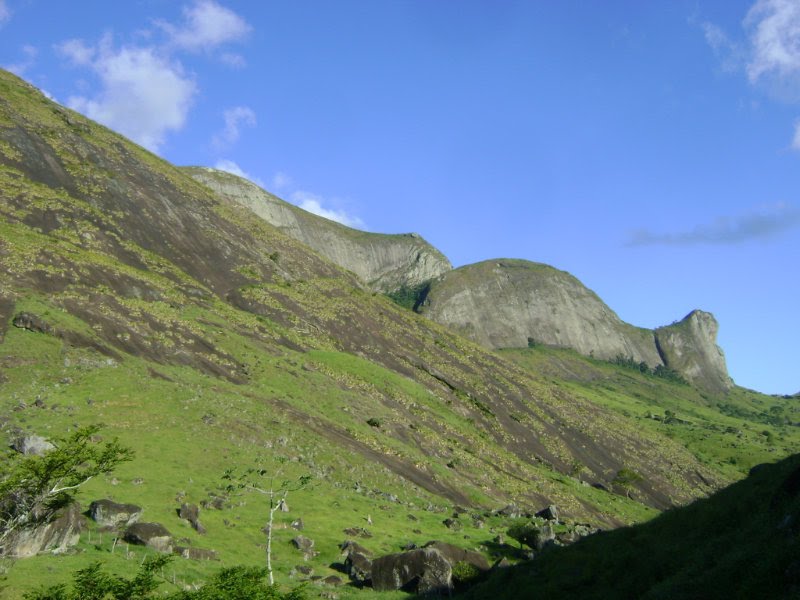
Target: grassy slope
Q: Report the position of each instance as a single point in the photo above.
(291, 368)
(729, 433)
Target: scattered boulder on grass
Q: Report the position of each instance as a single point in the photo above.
(454, 555)
(422, 571)
(191, 513)
(357, 532)
(195, 553)
(549, 514)
(152, 535)
(107, 513)
(32, 445)
(305, 545)
(31, 322)
(453, 524)
(511, 511)
(357, 563)
(57, 536)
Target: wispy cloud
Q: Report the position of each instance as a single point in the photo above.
(5, 13)
(234, 119)
(764, 224)
(29, 54)
(774, 28)
(143, 94)
(206, 26)
(144, 90)
(231, 167)
(768, 52)
(281, 181)
(314, 204)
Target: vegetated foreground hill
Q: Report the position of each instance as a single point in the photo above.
(207, 339)
(387, 263)
(739, 543)
(515, 303)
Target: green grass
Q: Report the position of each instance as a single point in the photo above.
(725, 432)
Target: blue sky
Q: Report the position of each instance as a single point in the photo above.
(652, 149)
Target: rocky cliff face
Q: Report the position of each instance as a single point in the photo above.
(385, 262)
(515, 303)
(690, 348)
(511, 303)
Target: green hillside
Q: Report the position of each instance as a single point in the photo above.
(206, 340)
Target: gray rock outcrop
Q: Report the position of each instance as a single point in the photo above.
(152, 535)
(421, 571)
(513, 303)
(108, 513)
(385, 262)
(58, 535)
(32, 445)
(689, 346)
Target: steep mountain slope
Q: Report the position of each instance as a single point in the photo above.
(385, 262)
(135, 258)
(206, 338)
(515, 303)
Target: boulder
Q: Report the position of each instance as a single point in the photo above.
(191, 513)
(512, 511)
(108, 513)
(550, 513)
(152, 535)
(454, 555)
(303, 543)
(195, 553)
(422, 571)
(58, 535)
(32, 445)
(349, 547)
(543, 536)
(31, 322)
(359, 567)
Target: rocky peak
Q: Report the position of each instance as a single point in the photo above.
(690, 347)
(506, 303)
(385, 262)
(515, 303)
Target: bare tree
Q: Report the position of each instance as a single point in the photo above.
(271, 486)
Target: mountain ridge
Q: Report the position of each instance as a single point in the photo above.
(499, 303)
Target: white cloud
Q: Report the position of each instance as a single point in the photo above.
(143, 95)
(727, 51)
(5, 12)
(206, 26)
(29, 58)
(775, 37)
(231, 167)
(280, 181)
(233, 60)
(76, 51)
(770, 54)
(234, 118)
(313, 204)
